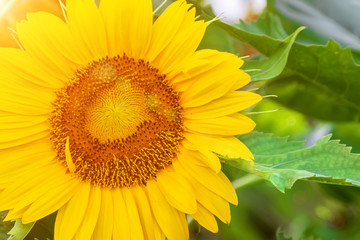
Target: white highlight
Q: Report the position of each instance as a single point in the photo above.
(233, 10)
(5, 5)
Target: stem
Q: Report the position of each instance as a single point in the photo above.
(160, 6)
(245, 180)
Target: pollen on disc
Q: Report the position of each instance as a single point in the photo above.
(122, 119)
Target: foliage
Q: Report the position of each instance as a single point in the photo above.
(20, 231)
(283, 162)
(15, 230)
(317, 80)
(5, 227)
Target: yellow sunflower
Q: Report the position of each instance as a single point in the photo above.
(116, 121)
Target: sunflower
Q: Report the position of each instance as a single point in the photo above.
(116, 122)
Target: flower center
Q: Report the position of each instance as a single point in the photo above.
(117, 123)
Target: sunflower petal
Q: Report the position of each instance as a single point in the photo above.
(212, 202)
(131, 37)
(72, 214)
(87, 226)
(200, 154)
(177, 191)
(51, 181)
(15, 191)
(15, 214)
(104, 226)
(169, 219)
(176, 35)
(47, 38)
(145, 214)
(136, 230)
(51, 201)
(87, 27)
(226, 126)
(226, 146)
(229, 104)
(205, 218)
(214, 182)
(121, 218)
(12, 62)
(204, 84)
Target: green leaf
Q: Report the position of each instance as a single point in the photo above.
(318, 80)
(266, 34)
(5, 227)
(20, 231)
(274, 65)
(283, 162)
(42, 229)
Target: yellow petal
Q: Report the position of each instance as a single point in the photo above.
(197, 64)
(87, 226)
(22, 163)
(159, 235)
(50, 181)
(8, 121)
(24, 140)
(47, 39)
(22, 105)
(68, 158)
(169, 219)
(15, 191)
(23, 90)
(226, 146)
(12, 71)
(205, 218)
(212, 202)
(175, 37)
(177, 191)
(27, 150)
(70, 216)
(23, 98)
(51, 201)
(15, 214)
(136, 231)
(121, 219)
(214, 182)
(201, 155)
(215, 204)
(128, 25)
(226, 126)
(146, 217)
(8, 135)
(229, 104)
(104, 226)
(204, 83)
(87, 27)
